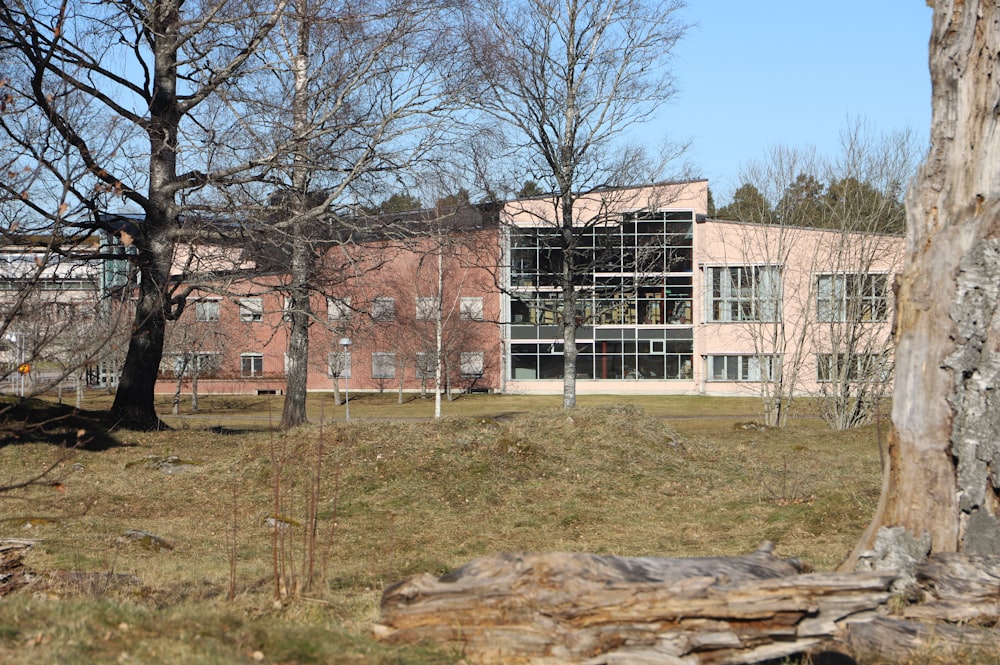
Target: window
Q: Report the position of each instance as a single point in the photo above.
(471, 309)
(472, 363)
(743, 368)
(383, 365)
(427, 309)
(852, 297)
(853, 367)
(251, 364)
(206, 310)
(190, 364)
(744, 293)
(426, 365)
(339, 365)
(251, 309)
(338, 309)
(65, 311)
(384, 309)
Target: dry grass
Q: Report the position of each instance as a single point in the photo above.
(396, 497)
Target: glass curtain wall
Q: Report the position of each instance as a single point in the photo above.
(634, 305)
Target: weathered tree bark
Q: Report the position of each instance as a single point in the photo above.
(944, 458)
(584, 608)
(559, 608)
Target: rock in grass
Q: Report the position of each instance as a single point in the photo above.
(164, 463)
(145, 540)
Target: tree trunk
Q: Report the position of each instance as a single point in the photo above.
(567, 280)
(303, 260)
(81, 377)
(133, 406)
(294, 408)
(194, 390)
(941, 490)
(540, 609)
(175, 407)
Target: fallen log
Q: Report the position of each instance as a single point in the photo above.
(896, 639)
(958, 588)
(13, 574)
(542, 609)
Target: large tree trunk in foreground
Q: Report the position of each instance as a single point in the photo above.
(941, 491)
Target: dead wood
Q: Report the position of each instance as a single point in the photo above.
(959, 588)
(13, 573)
(584, 608)
(565, 608)
(897, 639)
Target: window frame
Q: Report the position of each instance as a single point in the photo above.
(473, 360)
(383, 308)
(251, 309)
(471, 308)
(748, 368)
(200, 358)
(739, 297)
(203, 303)
(424, 369)
(342, 359)
(383, 365)
(338, 309)
(427, 308)
(845, 296)
(824, 374)
(251, 356)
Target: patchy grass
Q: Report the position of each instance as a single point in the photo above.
(394, 498)
(263, 411)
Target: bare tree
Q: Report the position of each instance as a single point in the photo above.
(124, 92)
(447, 329)
(194, 348)
(864, 208)
(565, 79)
(363, 81)
(764, 265)
(940, 489)
(806, 277)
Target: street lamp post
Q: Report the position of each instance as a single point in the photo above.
(345, 342)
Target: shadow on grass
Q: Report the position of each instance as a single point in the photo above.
(38, 421)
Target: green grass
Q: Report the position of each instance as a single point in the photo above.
(397, 496)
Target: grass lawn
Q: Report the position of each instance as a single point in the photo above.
(259, 412)
(393, 494)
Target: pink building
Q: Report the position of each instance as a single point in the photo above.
(383, 297)
(671, 302)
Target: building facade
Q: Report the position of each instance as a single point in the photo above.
(379, 313)
(669, 301)
(673, 302)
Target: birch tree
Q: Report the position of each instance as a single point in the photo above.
(565, 79)
(859, 257)
(815, 246)
(363, 81)
(756, 264)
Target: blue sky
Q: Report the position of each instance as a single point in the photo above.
(754, 74)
